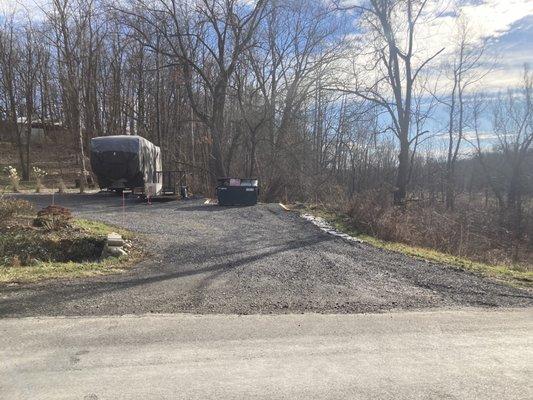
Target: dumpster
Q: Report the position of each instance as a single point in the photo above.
(237, 191)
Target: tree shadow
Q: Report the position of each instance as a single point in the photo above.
(57, 293)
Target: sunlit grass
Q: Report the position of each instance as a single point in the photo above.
(57, 270)
(100, 229)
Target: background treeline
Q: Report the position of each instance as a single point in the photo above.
(322, 102)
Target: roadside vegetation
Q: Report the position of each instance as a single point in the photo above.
(52, 244)
(51, 180)
(435, 237)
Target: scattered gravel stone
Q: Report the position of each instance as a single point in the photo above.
(326, 227)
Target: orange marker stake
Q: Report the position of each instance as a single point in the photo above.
(123, 207)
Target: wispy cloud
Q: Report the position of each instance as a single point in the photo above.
(506, 25)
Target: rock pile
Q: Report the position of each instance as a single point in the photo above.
(326, 227)
(114, 246)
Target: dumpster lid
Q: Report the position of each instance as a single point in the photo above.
(228, 181)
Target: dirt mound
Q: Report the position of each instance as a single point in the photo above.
(52, 237)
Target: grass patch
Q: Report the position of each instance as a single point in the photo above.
(514, 274)
(59, 270)
(100, 229)
(39, 243)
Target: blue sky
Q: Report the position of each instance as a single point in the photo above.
(514, 48)
(508, 24)
(507, 28)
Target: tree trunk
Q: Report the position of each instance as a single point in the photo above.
(26, 168)
(83, 182)
(251, 170)
(29, 113)
(216, 165)
(514, 202)
(450, 188)
(403, 172)
(25, 176)
(216, 162)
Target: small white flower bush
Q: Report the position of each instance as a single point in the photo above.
(13, 176)
(62, 188)
(39, 174)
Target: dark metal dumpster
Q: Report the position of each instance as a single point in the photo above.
(237, 191)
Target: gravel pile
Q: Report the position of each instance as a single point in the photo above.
(261, 259)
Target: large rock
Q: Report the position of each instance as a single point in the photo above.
(113, 246)
(113, 251)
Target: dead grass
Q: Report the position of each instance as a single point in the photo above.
(474, 231)
(61, 270)
(514, 274)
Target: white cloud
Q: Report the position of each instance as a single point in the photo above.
(502, 23)
(492, 20)
(494, 17)
(23, 8)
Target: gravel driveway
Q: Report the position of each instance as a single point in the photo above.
(261, 259)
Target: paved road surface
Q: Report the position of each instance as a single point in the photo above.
(248, 260)
(428, 355)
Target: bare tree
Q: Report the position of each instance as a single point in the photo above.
(394, 70)
(32, 55)
(465, 72)
(69, 20)
(506, 167)
(10, 59)
(295, 44)
(205, 40)
(513, 123)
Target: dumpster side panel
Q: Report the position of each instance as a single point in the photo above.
(237, 195)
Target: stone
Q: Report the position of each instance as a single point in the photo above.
(114, 239)
(113, 251)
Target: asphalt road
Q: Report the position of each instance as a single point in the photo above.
(415, 355)
(248, 260)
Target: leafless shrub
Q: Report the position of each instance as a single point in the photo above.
(11, 208)
(62, 188)
(53, 218)
(469, 231)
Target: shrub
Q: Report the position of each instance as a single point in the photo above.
(26, 247)
(14, 177)
(39, 174)
(53, 217)
(469, 231)
(10, 208)
(62, 188)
